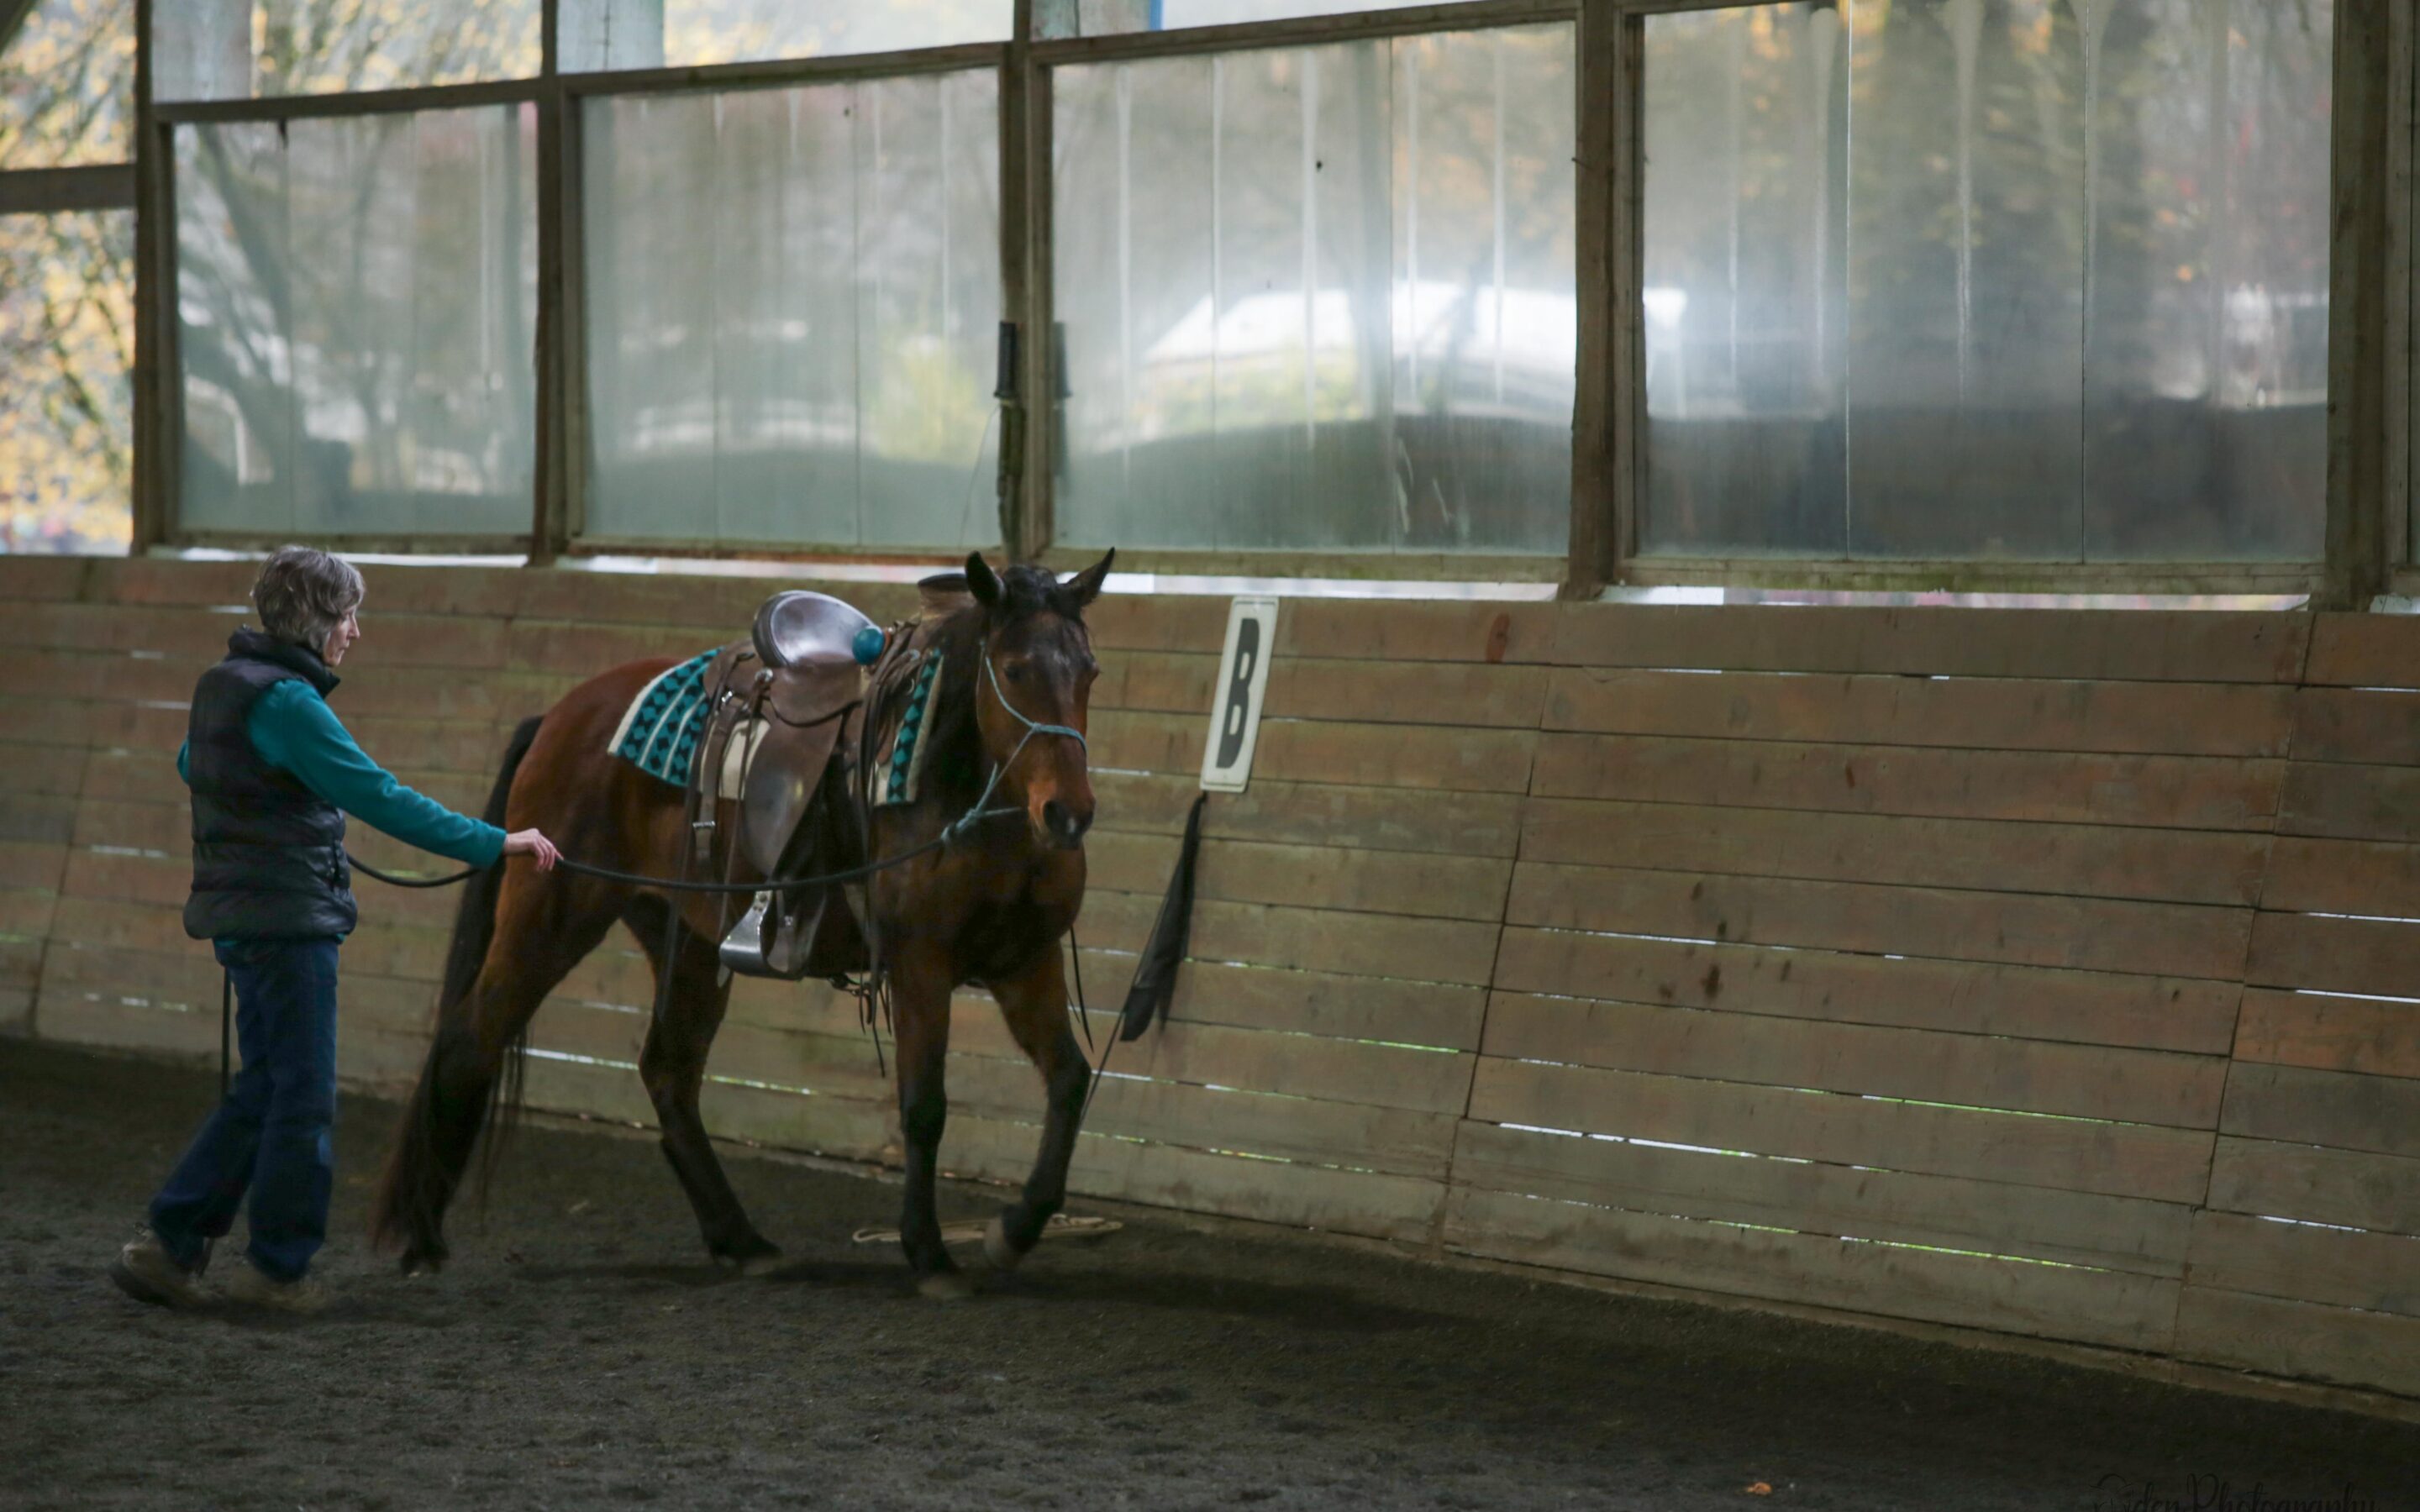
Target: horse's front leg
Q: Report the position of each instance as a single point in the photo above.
(920, 1005)
(1035, 1007)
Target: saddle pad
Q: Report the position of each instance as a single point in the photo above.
(660, 729)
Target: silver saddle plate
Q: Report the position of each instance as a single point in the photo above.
(800, 628)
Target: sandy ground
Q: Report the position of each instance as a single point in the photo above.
(581, 1353)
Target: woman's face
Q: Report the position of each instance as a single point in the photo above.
(341, 638)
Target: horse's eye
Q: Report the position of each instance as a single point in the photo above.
(1016, 672)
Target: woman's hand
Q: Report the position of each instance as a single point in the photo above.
(530, 842)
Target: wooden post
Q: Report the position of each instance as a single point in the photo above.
(153, 504)
(1597, 547)
(1025, 294)
(551, 449)
(2361, 345)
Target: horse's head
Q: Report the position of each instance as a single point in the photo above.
(1035, 685)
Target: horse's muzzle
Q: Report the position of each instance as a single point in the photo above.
(1063, 826)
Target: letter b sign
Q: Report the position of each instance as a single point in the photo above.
(1236, 703)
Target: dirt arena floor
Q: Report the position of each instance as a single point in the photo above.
(579, 1353)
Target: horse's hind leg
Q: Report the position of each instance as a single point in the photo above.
(1035, 1007)
(543, 928)
(673, 1065)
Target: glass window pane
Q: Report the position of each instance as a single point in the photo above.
(67, 85)
(2205, 384)
(793, 305)
(1988, 279)
(66, 347)
(1321, 298)
(654, 34)
(1746, 280)
(356, 324)
(238, 48)
(1103, 18)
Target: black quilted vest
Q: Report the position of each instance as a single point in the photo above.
(268, 854)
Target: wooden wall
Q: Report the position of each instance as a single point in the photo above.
(2011, 969)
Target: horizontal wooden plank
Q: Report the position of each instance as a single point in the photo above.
(2190, 646)
(2068, 1154)
(2170, 792)
(1368, 944)
(1307, 1002)
(1256, 1060)
(2306, 1262)
(2321, 953)
(2342, 876)
(1398, 630)
(2024, 1002)
(1310, 877)
(2299, 1339)
(30, 864)
(2365, 651)
(1440, 757)
(186, 977)
(1969, 1069)
(26, 913)
(1353, 816)
(1300, 1195)
(1949, 1212)
(42, 577)
(1324, 688)
(2352, 1188)
(1983, 713)
(1167, 621)
(2107, 1307)
(2084, 860)
(2348, 802)
(2338, 1109)
(2161, 939)
(55, 770)
(36, 818)
(1396, 1141)
(61, 719)
(2329, 1033)
(2365, 725)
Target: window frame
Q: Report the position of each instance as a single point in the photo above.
(96, 186)
(2334, 579)
(2375, 260)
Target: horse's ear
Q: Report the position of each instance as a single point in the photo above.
(1086, 585)
(980, 580)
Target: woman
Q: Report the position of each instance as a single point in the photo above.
(273, 774)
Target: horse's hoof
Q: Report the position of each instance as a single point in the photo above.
(945, 1286)
(755, 1262)
(1002, 1255)
(418, 1264)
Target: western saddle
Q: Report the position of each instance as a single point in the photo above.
(769, 769)
(787, 717)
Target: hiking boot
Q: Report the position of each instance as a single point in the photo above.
(256, 1288)
(146, 1271)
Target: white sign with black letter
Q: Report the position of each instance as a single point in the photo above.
(1235, 704)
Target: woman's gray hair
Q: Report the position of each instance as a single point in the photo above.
(302, 594)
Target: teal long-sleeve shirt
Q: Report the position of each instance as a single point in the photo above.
(293, 729)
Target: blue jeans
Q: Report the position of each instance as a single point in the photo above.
(273, 1134)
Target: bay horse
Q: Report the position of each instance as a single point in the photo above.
(988, 907)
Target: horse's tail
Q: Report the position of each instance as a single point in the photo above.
(461, 1089)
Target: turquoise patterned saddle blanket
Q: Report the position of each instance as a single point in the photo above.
(661, 729)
